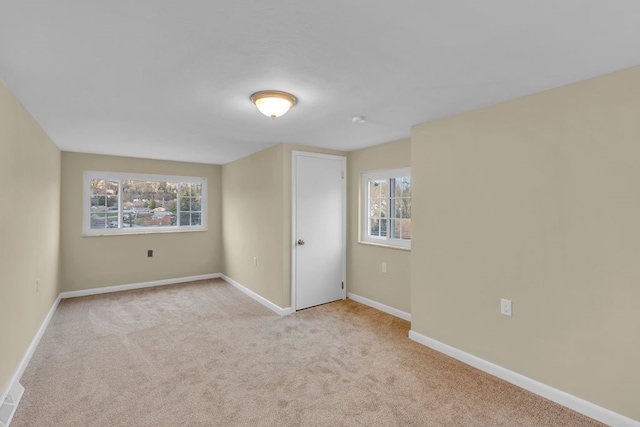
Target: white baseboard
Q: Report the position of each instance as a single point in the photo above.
(382, 307)
(118, 288)
(565, 399)
(95, 291)
(281, 311)
(26, 358)
(9, 405)
(13, 386)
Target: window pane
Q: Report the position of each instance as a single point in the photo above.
(403, 208)
(403, 229)
(127, 219)
(185, 218)
(384, 189)
(196, 204)
(104, 204)
(403, 186)
(98, 204)
(397, 208)
(112, 203)
(171, 192)
(147, 203)
(190, 204)
(378, 189)
(378, 207)
(196, 190)
(374, 210)
(161, 219)
(406, 207)
(195, 218)
(374, 227)
(384, 208)
(378, 227)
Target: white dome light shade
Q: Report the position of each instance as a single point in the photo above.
(273, 103)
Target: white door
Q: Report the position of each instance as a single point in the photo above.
(319, 231)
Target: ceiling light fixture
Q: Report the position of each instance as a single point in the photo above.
(273, 103)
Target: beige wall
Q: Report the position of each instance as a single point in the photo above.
(364, 262)
(252, 210)
(99, 261)
(536, 200)
(256, 211)
(29, 230)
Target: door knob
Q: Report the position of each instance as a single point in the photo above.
(300, 242)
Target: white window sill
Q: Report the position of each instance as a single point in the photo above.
(384, 245)
(137, 233)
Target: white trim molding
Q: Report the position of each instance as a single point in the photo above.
(13, 383)
(14, 390)
(17, 374)
(10, 404)
(577, 404)
(279, 310)
(382, 307)
(119, 288)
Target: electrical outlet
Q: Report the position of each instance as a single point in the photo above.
(37, 285)
(255, 261)
(384, 267)
(150, 253)
(505, 307)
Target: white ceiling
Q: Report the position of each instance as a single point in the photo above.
(171, 79)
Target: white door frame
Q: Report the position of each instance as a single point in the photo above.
(294, 158)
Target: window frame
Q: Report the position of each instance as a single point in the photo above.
(125, 176)
(365, 236)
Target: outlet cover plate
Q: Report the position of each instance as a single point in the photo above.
(505, 307)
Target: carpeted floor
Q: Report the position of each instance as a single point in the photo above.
(204, 354)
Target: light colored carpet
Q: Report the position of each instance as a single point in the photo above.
(204, 354)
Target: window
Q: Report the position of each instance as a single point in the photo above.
(386, 209)
(126, 203)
